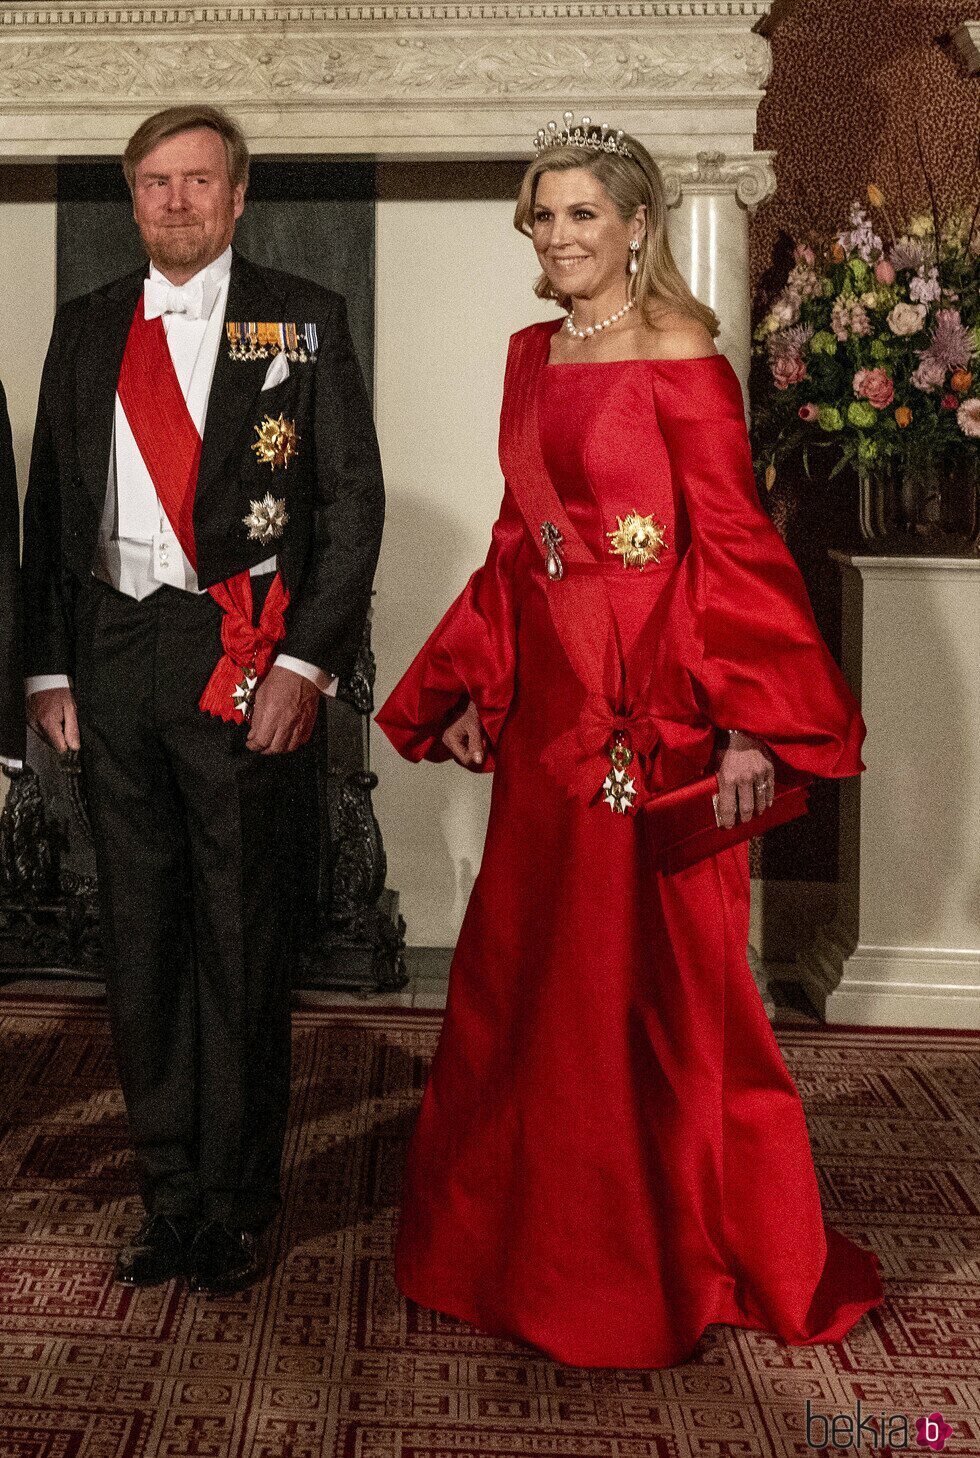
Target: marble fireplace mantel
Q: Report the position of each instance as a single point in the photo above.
(390, 79)
(457, 79)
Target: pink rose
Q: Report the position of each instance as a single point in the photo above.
(809, 413)
(788, 369)
(884, 272)
(968, 417)
(803, 253)
(875, 387)
(929, 375)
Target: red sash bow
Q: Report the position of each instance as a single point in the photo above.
(170, 445)
(580, 756)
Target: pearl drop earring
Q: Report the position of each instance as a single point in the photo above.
(634, 250)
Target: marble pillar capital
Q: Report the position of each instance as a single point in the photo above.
(750, 177)
(966, 40)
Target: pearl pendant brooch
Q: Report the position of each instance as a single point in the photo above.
(552, 539)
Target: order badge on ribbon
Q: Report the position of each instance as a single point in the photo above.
(619, 787)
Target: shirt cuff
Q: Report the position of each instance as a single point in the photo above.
(11, 764)
(325, 682)
(41, 681)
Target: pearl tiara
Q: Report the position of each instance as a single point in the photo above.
(590, 135)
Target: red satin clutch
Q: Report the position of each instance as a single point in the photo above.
(684, 828)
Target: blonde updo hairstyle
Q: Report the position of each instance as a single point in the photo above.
(630, 182)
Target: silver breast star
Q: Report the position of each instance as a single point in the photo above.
(266, 519)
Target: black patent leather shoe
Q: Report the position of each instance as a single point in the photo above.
(223, 1260)
(158, 1252)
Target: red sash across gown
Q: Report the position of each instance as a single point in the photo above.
(611, 1153)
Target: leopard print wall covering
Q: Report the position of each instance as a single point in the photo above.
(849, 79)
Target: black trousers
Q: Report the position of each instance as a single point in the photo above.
(196, 885)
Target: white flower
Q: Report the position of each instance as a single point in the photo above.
(907, 319)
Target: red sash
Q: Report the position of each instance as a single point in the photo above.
(626, 694)
(170, 445)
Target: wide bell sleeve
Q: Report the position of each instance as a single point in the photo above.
(756, 657)
(471, 654)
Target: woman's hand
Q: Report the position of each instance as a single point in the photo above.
(464, 738)
(746, 779)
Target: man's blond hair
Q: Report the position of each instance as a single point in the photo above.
(177, 119)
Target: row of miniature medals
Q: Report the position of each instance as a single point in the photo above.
(638, 540)
(247, 341)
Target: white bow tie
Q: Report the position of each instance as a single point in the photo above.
(161, 297)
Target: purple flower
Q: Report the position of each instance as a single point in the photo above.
(924, 288)
(907, 253)
(789, 343)
(861, 238)
(930, 374)
(951, 344)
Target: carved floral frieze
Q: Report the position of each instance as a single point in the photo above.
(412, 79)
(101, 71)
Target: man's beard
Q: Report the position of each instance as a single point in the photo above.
(176, 247)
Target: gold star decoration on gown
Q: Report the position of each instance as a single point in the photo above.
(266, 519)
(277, 442)
(637, 539)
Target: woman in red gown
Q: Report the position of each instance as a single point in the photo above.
(611, 1153)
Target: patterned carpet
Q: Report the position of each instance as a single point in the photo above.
(324, 1360)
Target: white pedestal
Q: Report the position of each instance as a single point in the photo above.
(904, 949)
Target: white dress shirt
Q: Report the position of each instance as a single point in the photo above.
(138, 551)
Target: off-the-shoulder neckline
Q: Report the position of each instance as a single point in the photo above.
(579, 364)
(553, 326)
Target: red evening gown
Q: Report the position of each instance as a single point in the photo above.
(611, 1153)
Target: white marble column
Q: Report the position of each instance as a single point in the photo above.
(904, 949)
(711, 197)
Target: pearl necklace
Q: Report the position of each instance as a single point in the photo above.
(594, 328)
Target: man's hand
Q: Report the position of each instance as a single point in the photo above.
(465, 739)
(284, 713)
(746, 780)
(51, 713)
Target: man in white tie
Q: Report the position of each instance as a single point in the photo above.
(202, 525)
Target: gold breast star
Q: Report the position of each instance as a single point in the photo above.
(266, 518)
(637, 539)
(277, 442)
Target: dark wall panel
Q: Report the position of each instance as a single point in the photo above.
(311, 218)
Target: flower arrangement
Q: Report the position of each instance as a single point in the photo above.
(873, 344)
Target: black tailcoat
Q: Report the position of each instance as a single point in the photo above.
(332, 489)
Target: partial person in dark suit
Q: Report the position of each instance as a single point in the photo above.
(11, 677)
(202, 525)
